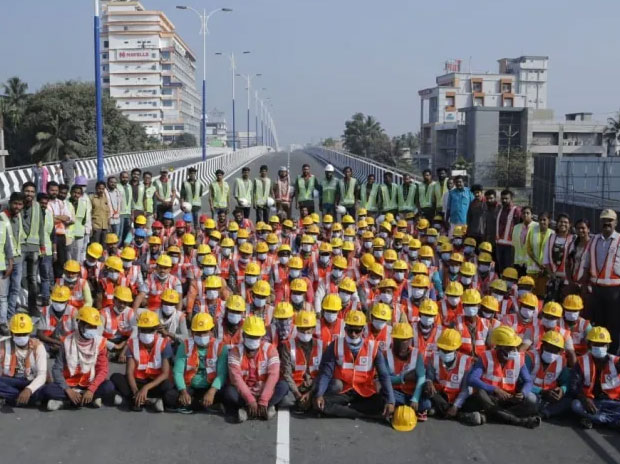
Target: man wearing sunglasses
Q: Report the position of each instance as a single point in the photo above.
(345, 386)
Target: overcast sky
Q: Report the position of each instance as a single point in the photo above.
(323, 60)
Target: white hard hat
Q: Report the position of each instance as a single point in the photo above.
(186, 206)
(270, 202)
(243, 202)
(329, 168)
(341, 209)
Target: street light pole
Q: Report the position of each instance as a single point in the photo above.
(248, 79)
(233, 68)
(98, 98)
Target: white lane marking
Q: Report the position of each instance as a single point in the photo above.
(283, 438)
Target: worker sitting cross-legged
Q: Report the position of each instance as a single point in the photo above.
(346, 382)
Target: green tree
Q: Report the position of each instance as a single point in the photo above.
(510, 168)
(55, 142)
(362, 134)
(612, 133)
(185, 140)
(14, 101)
(329, 142)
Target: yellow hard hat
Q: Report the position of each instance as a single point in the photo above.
(170, 295)
(89, 315)
(246, 248)
(457, 257)
(505, 336)
(114, 262)
(173, 249)
(553, 338)
(386, 225)
(164, 261)
(401, 223)
(296, 262)
(336, 242)
(526, 280)
(423, 224)
(331, 302)
(553, 309)
(426, 252)
(399, 236)
(288, 223)
(390, 255)
(449, 340)
(387, 283)
(367, 235)
(209, 260)
(72, 266)
(154, 240)
(400, 265)
(243, 233)
(459, 231)
(235, 303)
(486, 247)
(261, 288)
(348, 219)
(490, 303)
(225, 243)
(415, 244)
(378, 243)
(573, 303)
(470, 241)
(284, 310)
(299, 285)
(348, 285)
(402, 331)
(404, 419)
(529, 299)
(362, 212)
(284, 248)
(349, 232)
(377, 269)
(340, 262)
(454, 289)
(370, 221)
(189, 240)
(315, 217)
(254, 326)
(510, 273)
(355, 318)
(337, 227)
(471, 296)
(275, 219)
(140, 220)
(210, 223)
(61, 294)
(307, 239)
(148, 320)
(307, 221)
(367, 260)
(213, 282)
(21, 324)
(499, 285)
(446, 247)
(123, 293)
(485, 258)
(432, 232)
(128, 254)
(429, 307)
(381, 311)
(202, 322)
(215, 234)
(328, 219)
(262, 247)
(272, 239)
(111, 239)
(252, 269)
(419, 268)
(468, 269)
(232, 226)
(325, 248)
(95, 250)
(420, 281)
(362, 224)
(348, 246)
(599, 335)
(305, 319)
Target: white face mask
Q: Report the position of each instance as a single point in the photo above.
(348, 239)
(306, 247)
(389, 265)
(21, 340)
(484, 268)
(368, 245)
(599, 352)
(431, 240)
(284, 260)
(212, 294)
(126, 264)
(89, 334)
(378, 253)
(273, 248)
(174, 259)
(209, 270)
(457, 242)
(336, 251)
(294, 273)
(374, 281)
(549, 323)
(413, 254)
(90, 263)
(466, 280)
(418, 293)
(168, 310)
(244, 260)
(327, 226)
(212, 243)
(498, 297)
(520, 293)
(453, 300)
(487, 314)
(427, 321)
(468, 250)
(354, 342)
(509, 284)
(58, 307)
(71, 280)
(262, 256)
(202, 340)
(526, 313)
(383, 235)
(226, 252)
(337, 273)
(241, 241)
(344, 297)
(445, 256)
(571, 316)
(386, 298)
(330, 316)
(514, 355)
(378, 324)
(470, 311)
(113, 275)
(251, 280)
(448, 357)
(399, 276)
(251, 343)
(297, 298)
(426, 262)
(234, 318)
(455, 269)
(260, 302)
(548, 356)
(304, 337)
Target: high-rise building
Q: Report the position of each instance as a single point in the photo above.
(149, 70)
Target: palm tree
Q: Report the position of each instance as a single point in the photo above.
(54, 143)
(360, 133)
(14, 100)
(612, 134)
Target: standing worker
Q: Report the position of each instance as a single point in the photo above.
(244, 192)
(426, 195)
(192, 191)
(369, 196)
(283, 192)
(327, 192)
(304, 189)
(164, 193)
(219, 192)
(348, 191)
(389, 194)
(406, 196)
(262, 193)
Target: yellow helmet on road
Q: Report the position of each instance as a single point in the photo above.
(404, 419)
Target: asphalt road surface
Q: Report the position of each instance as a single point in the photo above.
(111, 435)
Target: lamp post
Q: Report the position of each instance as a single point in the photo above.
(98, 102)
(204, 30)
(233, 67)
(248, 80)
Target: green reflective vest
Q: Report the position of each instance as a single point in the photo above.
(3, 234)
(406, 203)
(77, 229)
(33, 236)
(368, 200)
(440, 188)
(193, 193)
(15, 241)
(220, 194)
(244, 189)
(262, 189)
(347, 192)
(328, 190)
(127, 198)
(164, 189)
(48, 227)
(138, 204)
(389, 197)
(149, 194)
(426, 193)
(305, 188)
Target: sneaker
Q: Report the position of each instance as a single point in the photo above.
(185, 410)
(97, 403)
(483, 418)
(585, 423)
(118, 400)
(55, 405)
(242, 415)
(271, 412)
(159, 405)
(533, 422)
(422, 416)
(470, 418)
(4, 330)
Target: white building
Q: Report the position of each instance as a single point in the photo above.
(149, 70)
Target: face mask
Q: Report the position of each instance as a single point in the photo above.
(273, 248)
(484, 268)
(202, 340)
(90, 263)
(21, 340)
(386, 298)
(251, 343)
(330, 316)
(284, 327)
(374, 281)
(389, 265)
(468, 250)
(168, 310)
(324, 260)
(353, 341)
(437, 226)
(241, 241)
(72, 280)
(431, 240)
(212, 243)
(337, 273)
(514, 355)
(251, 280)
(453, 300)
(549, 323)
(445, 256)
(454, 269)
(327, 226)
(126, 264)
(348, 239)
(209, 270)
(344, 297)
(260, 302)
(426, 262)
(548, 357)
(368, 245)
(294, 274)
(262, 236)
(599, 352)
(262, 256)
(520, 293)
(377, 324)
(398, 246)
(226, 252)
(509, 284)
(399, 276)
(527, 313)
(383, 235)
(487, 315)
(447, 358)
(466, 280)
(284, 260)
(89, 334)
(427, 321)
(571, 316)
(470, 311)
(498, 297)
(304, 337)
(162, 275)
(244, 260)
(58, 307)
(377, 253)
(212, 294)
(413, 254)
(306, 247)
(174, 259)
(234, 318)
(297, 299)
(418, 293)
(457, 242)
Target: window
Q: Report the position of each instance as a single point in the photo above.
(479, 101)
(508, 102)
(104, 56)
(450, 101)
(166, 91)
(106, 80)
(165, 55)
(169, 128)
(166, 67)
(168, 103)
(181, 127)
(506, 87)
(106, 44)
(476, 86)
(104, 67)
(166, 80)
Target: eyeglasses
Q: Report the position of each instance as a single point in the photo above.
(354, 330)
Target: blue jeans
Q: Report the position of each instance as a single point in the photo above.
(46, 272)
(15, 286)
(233, 400)
(124, 227)
(4, 297)
(608, 411)
(11, 387)
(548, 409)
(53, 391)
(424, 404)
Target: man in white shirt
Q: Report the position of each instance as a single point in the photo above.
(62, 219)
(115, 200)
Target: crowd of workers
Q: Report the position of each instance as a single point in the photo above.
(394, 301)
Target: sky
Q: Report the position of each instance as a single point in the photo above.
(324, 60)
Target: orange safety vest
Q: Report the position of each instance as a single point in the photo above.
(156, 288)
(426, 346)
(77, 292)
(107, 286)
(383, 338)
(210, 361)
(449, 314)
(512, 320)
(148, 363)
(449, 381)
(505, 237)
(545, 377)
(327, 334)
(607, 277)
(398, 366)
(226, 338)
(477, 346)
(67, 320)
(261, 361)
(79, 378)
(117, 323)
(578, 334)
(609, 377)
(9, 358)
(495, 374)
(359, 373)
(301, 365)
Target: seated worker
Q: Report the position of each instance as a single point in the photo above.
(57, 320)
(575, 323)
(24, 364)
(254, 387)
(446, 379)
(329, 326)
(148, 366)
(502, 384)
(551, 375)
(118, 322)
(230, 323)
(200, 368)
(80, 371)
(346, 382)
(595, 382)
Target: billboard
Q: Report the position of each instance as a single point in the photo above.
(139, 54)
